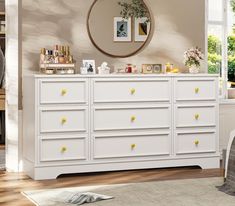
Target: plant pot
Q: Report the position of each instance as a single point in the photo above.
(194, 69)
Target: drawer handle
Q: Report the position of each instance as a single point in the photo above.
(133, 118)
(196, 142)
(63, 120)
(133, 91)
(63, 149)
(63, 92)
(197, 116)
(133, 146)
(197, 90)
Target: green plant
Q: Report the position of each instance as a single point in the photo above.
(215, 58)
(136, 9)
(231, 44)
(214, 45)
(214, 54)
(231, 68)
(214, 63)
(232, 3)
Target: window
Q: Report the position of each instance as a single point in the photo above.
(217, 41)
(221, 42)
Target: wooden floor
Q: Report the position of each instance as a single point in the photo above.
(11, 184)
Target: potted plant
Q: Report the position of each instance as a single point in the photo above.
(134, 9)
(192, 59)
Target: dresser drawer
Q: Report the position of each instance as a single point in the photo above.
(196, 89)
(62, 92)
(63, 120)
(62, 149)
(131, 146)
(129, 90)
(195, 142)
(120, 118)
(195, 116)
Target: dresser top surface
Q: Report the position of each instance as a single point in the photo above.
(39, 75)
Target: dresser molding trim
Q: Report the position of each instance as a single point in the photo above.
(85, 119)
(51, 172)
(50, 168)
(75, 80)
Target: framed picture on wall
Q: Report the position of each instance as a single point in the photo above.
(142, 29)
(122, 30)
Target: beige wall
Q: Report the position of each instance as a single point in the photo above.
(179, 24)
(101, 25)
(227, 119)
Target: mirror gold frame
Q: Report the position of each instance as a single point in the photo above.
(113, 55)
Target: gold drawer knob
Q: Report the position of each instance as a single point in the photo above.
(133, 146)
(63, 120)
(196, 116)
(63, 149)
(196, 142)
(133, 118)
(197, 90)
(133, 91)
(63, 92)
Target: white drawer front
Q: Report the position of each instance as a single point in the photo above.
(195, 89)
(195, 116)
(187, 143)
(61, 92)
(62, 149)
(132, 90)
(131, 118)
(66, 120)
(131, 146)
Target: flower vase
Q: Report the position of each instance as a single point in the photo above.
(194, 69)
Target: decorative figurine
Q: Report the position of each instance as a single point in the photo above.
(104, 69)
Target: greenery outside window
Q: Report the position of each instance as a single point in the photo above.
(221, 43)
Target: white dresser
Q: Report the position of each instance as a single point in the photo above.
(76, 124)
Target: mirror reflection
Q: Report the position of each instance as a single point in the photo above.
(122, 30)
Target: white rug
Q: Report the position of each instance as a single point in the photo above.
(191, 192)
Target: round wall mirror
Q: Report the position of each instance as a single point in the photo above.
(114, 35)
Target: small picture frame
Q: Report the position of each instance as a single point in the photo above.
(122, 29)
(90, 65)
(142, 29)
(147, 68)
(152, 69)
(157, 69)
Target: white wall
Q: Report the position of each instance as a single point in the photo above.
(227, 123)
(179, 24)
(12, 77)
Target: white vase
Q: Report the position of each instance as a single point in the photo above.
(194, 69)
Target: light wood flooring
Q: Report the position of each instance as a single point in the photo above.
(11, 184)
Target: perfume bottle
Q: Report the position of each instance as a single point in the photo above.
(168, 68)
(70, 60)
(49, 57)
(61, 58)
(56, 54)
(42, 56)
(46, 56)
(67, 54)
